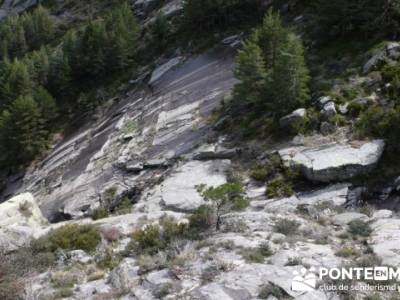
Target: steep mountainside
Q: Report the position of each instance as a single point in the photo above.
(215, 150)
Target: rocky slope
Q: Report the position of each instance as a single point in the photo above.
(156, 145)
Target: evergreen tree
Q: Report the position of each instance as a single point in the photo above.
(271, 36)
(251, 72)
(290, 77)
(22, 137)
(60, 74)
(43, 27)
(19, 79)
(40, 66)
(272, 71)
(47, 106)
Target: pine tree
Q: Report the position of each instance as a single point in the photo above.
(92, 49)
(290, 77)
(43, 27)
(40, 65)
(47, 106)
(19, 79)
(21, 134)
(60, 74)
(271, 36)
(251, 72)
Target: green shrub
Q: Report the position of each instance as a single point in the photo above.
(100, 213)
(154, 238)
(355, 108)
(14, 267)
(202, 219)
(294, 261)
(270, 289)
(286, 227)
(68, 237)
(347, 252)
(379, 122)
(63, 293)
(148, 240)
(224, 198)
(260, 173)
(279, 188)
(257, 255)
(338, 120)
(360, 228)
(124, 206)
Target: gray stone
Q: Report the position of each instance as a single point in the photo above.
(385, 240)
(156, 163)
(20, 220)
(163, 69)
(382, 214)
(334, 162)
(310, 254)
(126, 276)
(89, 289)
(179, 191)
(329, 110)
(322, 101)
(135, 167)
(211, 152)
(391, 49)
(343, 108)
(345, 218)
(80, 256)
(214, 291)
(293, 118)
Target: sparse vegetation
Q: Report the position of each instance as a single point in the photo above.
(269, 290)
(359, 228)
(286, 227)
(68, 237)
(224, 198)
(347, 252)
(257, 255)
(279, 188)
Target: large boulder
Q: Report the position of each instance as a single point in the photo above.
(390, 50)
(20, 221)
(295, 117)
(334, 162)
(385, 240)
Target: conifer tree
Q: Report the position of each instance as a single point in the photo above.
(290, 77)
(22, 137)
(251, 72)
(271, 36)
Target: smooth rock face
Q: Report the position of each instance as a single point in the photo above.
(385, 240)
(334, 162)
(20, 221)
(163, 69)
(310, 254)
(179, 192)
